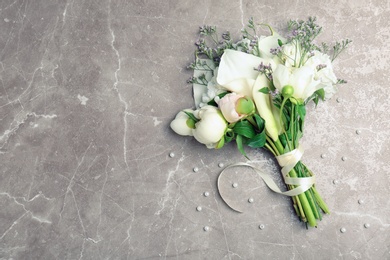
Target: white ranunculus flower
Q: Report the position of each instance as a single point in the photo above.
(301, 79)
(322, 65)
(237, 73)
(211, 126)
(180, 123)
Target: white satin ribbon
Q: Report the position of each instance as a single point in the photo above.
(287, 162)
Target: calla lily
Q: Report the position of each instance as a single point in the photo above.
(301, 79)
(236, 71)
(265, 44)
(265, 107)
(180, 123)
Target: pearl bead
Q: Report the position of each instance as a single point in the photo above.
(206, 194)
(343, 230)
(171, 155)
(206, 228)
(366, 225)
(250, 200)
(344, 158)
(323, 156)
(198, 208)
(361, 201)
(235, 185)
(195, 169)
(358, 132)
(261, 226)
(220, 165)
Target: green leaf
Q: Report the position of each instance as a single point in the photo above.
(240, 145)
(258, 140)
(264, 90)
(221, 143)
(190, 115)
(321, 93)
(244, 128)
(260, 122)
(229, 136)
(280, 43)
(301, 111)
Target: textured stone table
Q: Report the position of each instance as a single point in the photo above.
(91, 170)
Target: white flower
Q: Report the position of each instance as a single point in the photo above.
(291, 54)
(322, 65)
(265, 44)
(211, 126)
(212, 90)
(180, 123)
(265, 108)
(237, 72)
(301, 79)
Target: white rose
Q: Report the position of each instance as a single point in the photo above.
(181, 124)
(211, 126)
(301, 79)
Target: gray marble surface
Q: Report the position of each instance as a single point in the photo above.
(88, 89)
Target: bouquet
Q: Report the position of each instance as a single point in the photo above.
(254, 92)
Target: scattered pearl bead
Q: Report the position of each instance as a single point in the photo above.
(206, 194)
(195, 169)
(171, 155)
(220, 165)
(343, 230)
(361, 201)
(335, 181)
(250, 200)
(366, 225)
(235, 185)
(344, 158)
(206, 228)
(198, 208)
(358, 132)
(261, 226)
(323, 156)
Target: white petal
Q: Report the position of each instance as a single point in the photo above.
(264, 107)
(268, 43)
(236, 65)
(179, 124)
(281, 76)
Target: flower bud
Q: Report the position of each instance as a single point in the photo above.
(288, 91)
(245, 106)
(234, 107)
(211, 127)
(181, 124)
